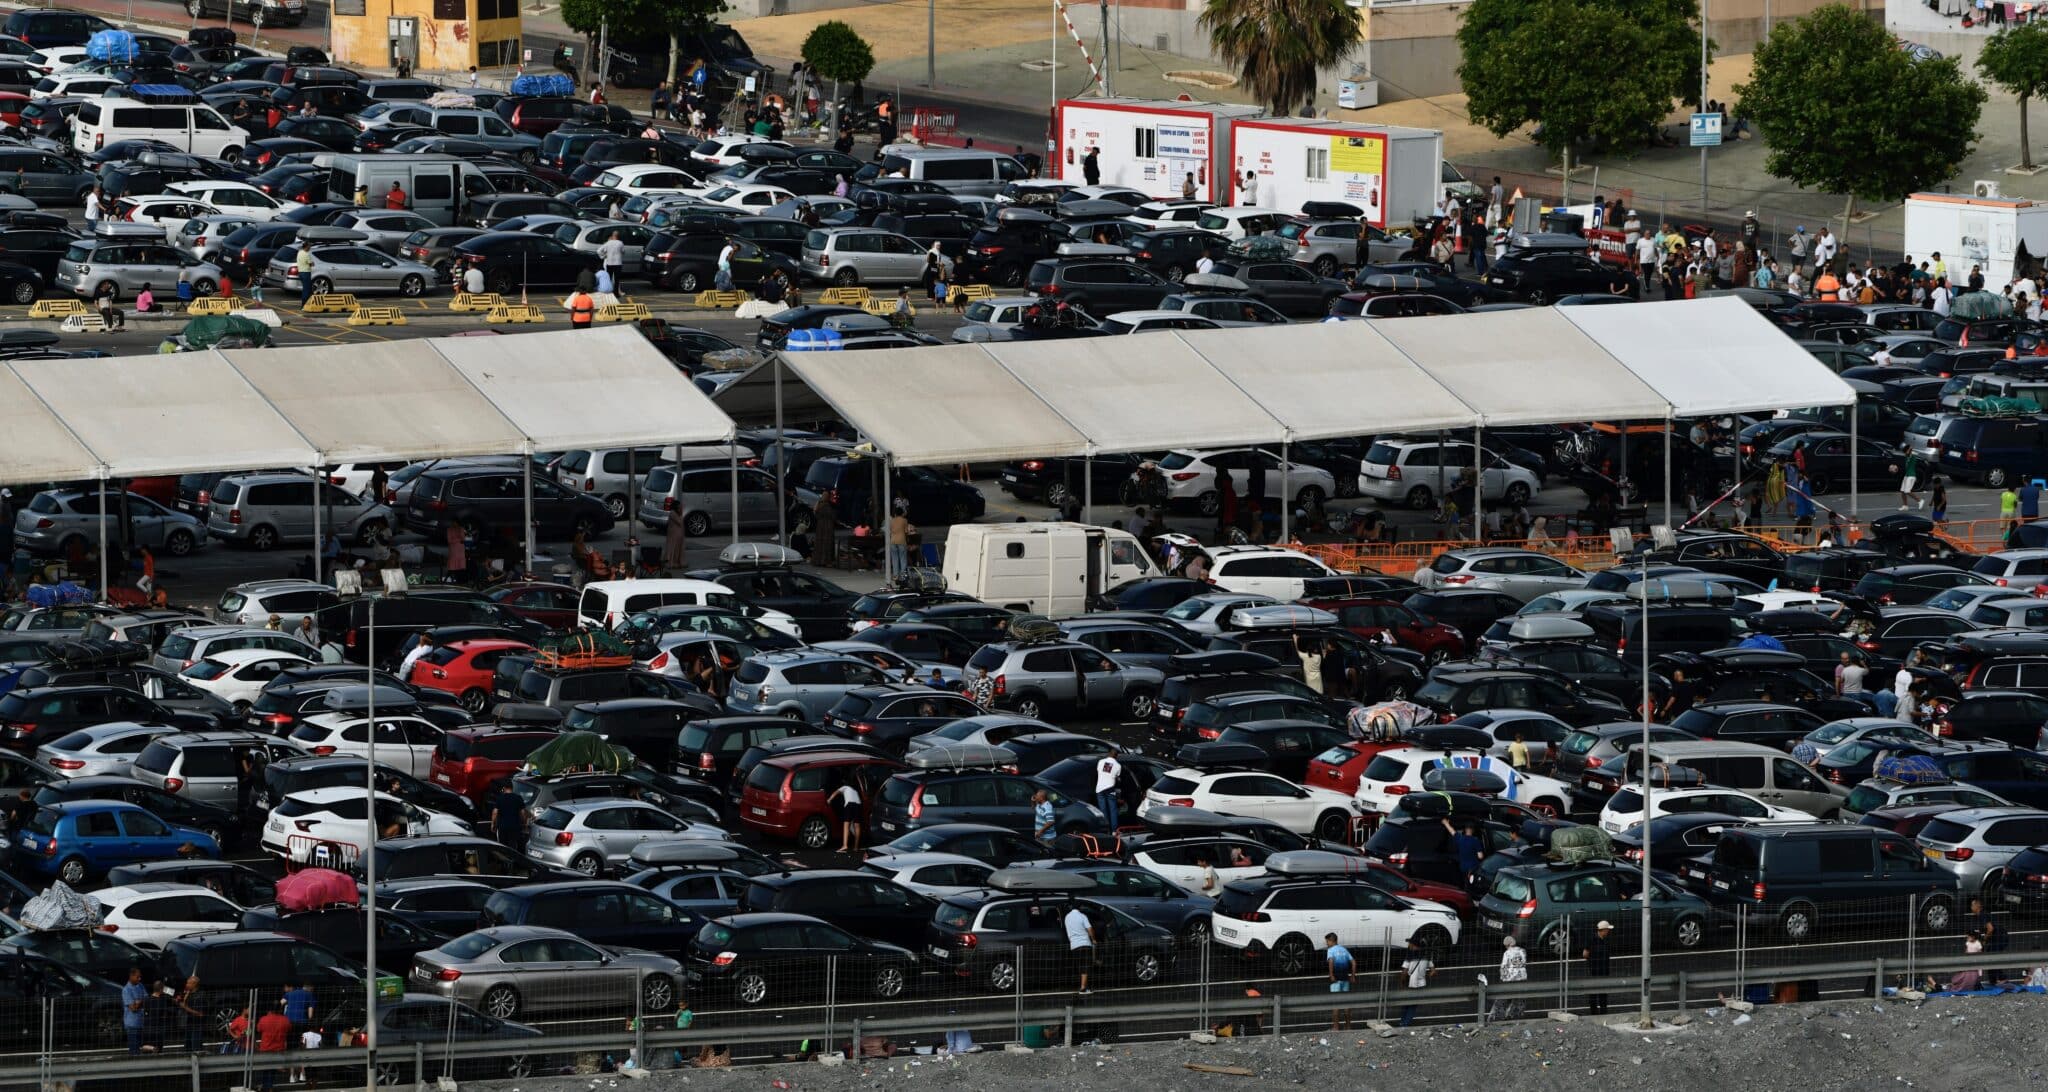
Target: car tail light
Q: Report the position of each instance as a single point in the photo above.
(1255, 916)
(1944, 728)
(1528, 910)
(1002, 685)
(1458, 578)
(1393, 473)
(1185, 475)
(916, 803)
(171, 784)
(563, 838)
(861, 727)
(989, 250)
(1203, 732)
(349, 639)
(1180, 802)
(1963, 853)
(234, 515)
(206, 498)
(276, 719)
(1756, 891)
(110, 928)
(589, 484)
(303, 824)
(2000, 582)
(1398, 860)
(782, 793)
(1397, 790)
(1301, 241)
(447, 974)
(969, 940)
(658, 663)
(1033, 464)
(706, 762)
(44, 525)
(67, 763)
(724, 959)
(99, 140)
(1835, 776)
(668, 504)
(1633, 854)
(324, 749)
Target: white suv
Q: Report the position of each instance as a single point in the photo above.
(1625, 808)
(1264, 570)
(1320, 812)
(1395, 773)
(1405, 472)
(1309, 894)
(1191, 477)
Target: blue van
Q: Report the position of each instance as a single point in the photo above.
(79, 839)
(1995, 451)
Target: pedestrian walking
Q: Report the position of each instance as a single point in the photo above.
(1080, 942)
(674, 538)
(2008, 506)
(1042, 818)
(1343, 971)
(1107, 771)
(508, 816)
(1937, 504)
(1514, 967)
(1599, 964)
(2030, 500)
(1419, 969)
(273, 1035)
(1909, 482)
(611, 254)
(95, 204)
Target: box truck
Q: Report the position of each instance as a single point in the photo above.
(1975, 231)
(1389, 173)
(1042, 568)
(1150, 146)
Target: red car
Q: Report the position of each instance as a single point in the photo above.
(1371, 618)
(465, 668)
(471, 760)
(786, 795)
(552, 605)
(1390, 879)
(1343, 776)
(11, 103)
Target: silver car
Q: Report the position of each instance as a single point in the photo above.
(1524, 574)
(263, 511)
(289, 598)
(800, 684)
(101, 749)
(609, 472)
(705, 495)
(1327, 246)
(862, 255)
(186, 647)
(991, 730)
(129, 263)
(935, 874)
(591, 836)
(384, 229)
(1224, 310)
(52, 520)
(358, 269)
(1041, 675)
(587, 237)
(1209, 613)
(524, 971)
(1974, 844)
(202, 236)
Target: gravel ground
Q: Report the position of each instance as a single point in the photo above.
(1950, 1043)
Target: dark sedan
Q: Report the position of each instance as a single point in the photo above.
(1828, 461)
(512, 260)
(1288, 288)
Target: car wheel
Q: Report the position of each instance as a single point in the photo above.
(1937, 913)
(1147, 968)
(528, 156)
(205, 287)
(1420, 499)
(1817, 484)
(1556, 940)
(215, 831)
(1518, 494)
(846, 277)
(751, 988)
(412, 284)
(1174, 273)
(1029, 705)
(616, 505)
(1395, 692)
(1325, 266)
(1548, 806)
(519, 1066)
(657, 993)
(1688, 932)
(389, 1073)
(369, 532)
(1196, 933)
(24, 291)
(1433, 938)
(322, 285)
(444, 271)
(195, 8)
(1291, 956)
(241, 708)
(1995, 478)
(796, 715)
(1347, 486)
(1002, 976)
(1138, 706)
(1539, 298)
(500, 282)
(697, 524)
(1435, 656)
(689, 280)
(1332, 826)
(263, 537)
(474, 699)
(889, 982)
(179, 543)
(501, 1002)
(814, 833)
(1309, 497)
(961, 512)
(590, 864)
(1798, 921)
(1209, 503)
(1057, 495)
(1010, 276)
(72, 871)
(801, 518)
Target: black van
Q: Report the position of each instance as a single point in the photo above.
(400, 619)
(1671, 629)
(1994, 451)
(1833, 569)
(648, 727)
(1810, 876)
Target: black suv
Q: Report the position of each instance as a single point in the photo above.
(343, 930)
(1454, 690)
(645, 726)
(888, 714)
(2011, 717)
(1099, 286)
(859, 902)
(31, 718)
(1805, 876)
(231, 966)
(1208, 718)
(1542, 276)
(299, 773)
(1014, 936)
(606, 912)
(709, 749)
(1390, 673)
(478, 860)
(561, 687)
(919, 798)
(819, 606)
(934, 499)
(757, 958)
(38, 992)
(689, 263)
(484, 499)
(1773, 725)
(1192, 678)
(1173, 252)
(1002, 255)
(1424, 847)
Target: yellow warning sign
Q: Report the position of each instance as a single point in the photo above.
(1358, 154)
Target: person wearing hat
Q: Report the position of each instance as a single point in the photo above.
(1514, 967)
(1752, 231)
(1599, 964)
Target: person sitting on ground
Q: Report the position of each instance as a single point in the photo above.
(145, 301)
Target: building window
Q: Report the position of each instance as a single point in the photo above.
(1147, 143)
(497, 9)
(350, 7)
(451, 10)
(1318, 164)
(499, 54)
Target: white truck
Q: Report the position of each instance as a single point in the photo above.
(1042, 568)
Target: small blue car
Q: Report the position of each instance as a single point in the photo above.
(80, 839)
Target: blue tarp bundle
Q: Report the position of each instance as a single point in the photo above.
(111, 45)
(543, 85)
(1910, 769)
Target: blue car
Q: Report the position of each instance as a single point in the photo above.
(79, 839)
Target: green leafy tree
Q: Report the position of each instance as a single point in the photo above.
(1592, 73)
(836, 52)
(2016, 59)
(1906, 125)
(640, 19)
(1278, 46)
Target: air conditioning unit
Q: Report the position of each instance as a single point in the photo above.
(1984, 187)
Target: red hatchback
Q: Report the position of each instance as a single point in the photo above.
(1371, 618)
(1341, 767)
(552, 605)
(465, 668)
(789, 795)
(471, 760)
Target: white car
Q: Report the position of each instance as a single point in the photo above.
(934, 874)
(1191, 478)
(1320, 812)
(403, 743)
(1148, 322)
(235, 197)
(999, 313)
(1625, 808)
(103, 749)
(168, 211)
(1264, 570)
(88, 84)
(1175, 860)
(1398, 772)
(55, 60)
(329, 824)
(1210, 613)
(1242, 221)
(748, 197)
(1169, 214)
(1406, 471)
(149, 915)
(638, 178)
(724, 151)
(1307, 895)
(238, 676)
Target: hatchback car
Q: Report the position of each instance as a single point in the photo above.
(55, 522)
(591, 836)
(352, 269)
(77, 840)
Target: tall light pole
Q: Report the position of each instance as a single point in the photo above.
(1703, 103)
(931, 43)
(1658, 537)
(349, 585)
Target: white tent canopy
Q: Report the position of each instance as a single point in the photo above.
(252, 409)
(942, 404)
(1331, 379)
(1143, 392)
(1710, 357)
(1529, 366)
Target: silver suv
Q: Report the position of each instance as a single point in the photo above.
(800, 684)
(204, 766)
(264, 511)
(129, 262)
(608, 473)
(862, 255)
(705, 494)
(55, 518)
(252, 603)
(591, 836)
(1034, 677)
(1974, 844)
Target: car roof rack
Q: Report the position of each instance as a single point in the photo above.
(673, 853)
(1175, 818)
(758, 555)
(1037, 881)
(160, 94)
(1316, 863)
(85, 652)
(1280, 616)
(1464, 779)
(526, 715)
(1217, 756)
(356, 699)
(1218, 663)
(962, 756)
(1035, 629)
(1449, 737)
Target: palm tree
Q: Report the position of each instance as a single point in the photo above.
(1279, 45)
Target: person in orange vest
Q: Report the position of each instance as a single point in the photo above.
(1825, 286)
(582, 310)
(396, 199)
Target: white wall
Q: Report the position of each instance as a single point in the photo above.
(1183, 145)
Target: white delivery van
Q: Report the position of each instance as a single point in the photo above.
(437, 186)
(606, 603)
(189, 126)
(1044, 568)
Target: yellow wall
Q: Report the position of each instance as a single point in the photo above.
(446, 45)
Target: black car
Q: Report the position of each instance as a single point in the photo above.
(216, 822)
(889, 714)
(1286, 286)
(1542, 276)
(862, 903)
(709, 749)
(1912, 584)
(607, 912)
(1100, 286)
(446, 905)
(1773, 725)
(1456, 689)
(1062, 478)
(1149, 593)
(30, 718)
(934, 499)
(775, 329)
(647, 727)
(1385, 673)
(761, 958)
(689, 263)
(1797, 879)
(819, 606)
(41, 998)
(330, 133)
(1424, 847)
(298, 774)
(238, 883)
(94, 952)
(484, 499)
(1003, 254)
(1435, 280)
(344, 931)
(771, 233)
(1013, 936)
(1468, 610)
(232, 965)
(511, 259)
(1287, 744)
(477, 860)
(38, 248)
(1727, 553)
(1173, 252)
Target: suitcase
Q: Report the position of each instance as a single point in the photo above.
(1034, 627)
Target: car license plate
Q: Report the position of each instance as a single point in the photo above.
(758, 811)
(28, 841)
(442, 778)
(1227, 932)
(1009, 477)
(2011, 897)
(1722, 884)
(1496, 923)
(1934, 853)
(940, 953)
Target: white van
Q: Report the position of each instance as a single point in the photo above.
(606, 603)
(439, 186)
(187, 126)
(1043, 568)
(962, 172)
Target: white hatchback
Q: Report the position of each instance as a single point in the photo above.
(150, 915)
(1625, 808)
(1319, 812)
(1395, 773)
(239, 675)
(404, 743)
(328, 826)
(1407, 472)
(1191, 477)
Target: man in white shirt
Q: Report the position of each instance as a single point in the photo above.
(612, 255)
(1107, 770)
(1824, 249)
(1646, 257)
(2025, 286)
(1080, 944)
(1205, 264)
(1251, 188)
(723, 281)
(425, 645)
(1937, 300)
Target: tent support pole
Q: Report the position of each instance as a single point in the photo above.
(319, 473)
(1667, 470)
(888, 516)
(1286, 496)
(1621, 470)
(781, 488)
(1440, 476)
(1087, 488)
(527, 465)
(632, 515)
(732, 453)
(1478, 482)
(1855, 457)
(102, 521)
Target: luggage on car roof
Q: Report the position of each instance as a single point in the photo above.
(1034, 628)
(1210, 756)
(1576, 845)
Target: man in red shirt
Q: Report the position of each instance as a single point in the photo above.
(273, 1034)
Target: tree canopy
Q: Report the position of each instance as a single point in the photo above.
(1843, 109)
(1591, 73)
(639, 18)
(836, 52)
(2016, 59)
(1278, 46)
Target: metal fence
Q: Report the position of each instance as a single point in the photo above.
(773, 1008)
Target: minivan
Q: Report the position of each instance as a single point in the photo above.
(963, 172)
(437, 186)
(1764, 772)
(187, 126)
(1810, 876)
(707, 496)
(206, 766)
(1994, 451)
(264, 511)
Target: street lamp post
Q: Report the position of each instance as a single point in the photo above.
(349, 584)
(1660, 536)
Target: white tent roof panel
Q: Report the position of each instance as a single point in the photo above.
(1331, 379)
(35, 445)
(171, 414)
(379, 400)
(1711, 356)
(1139, 392)
(1525, 367)
(584, 388)
(937, 405)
